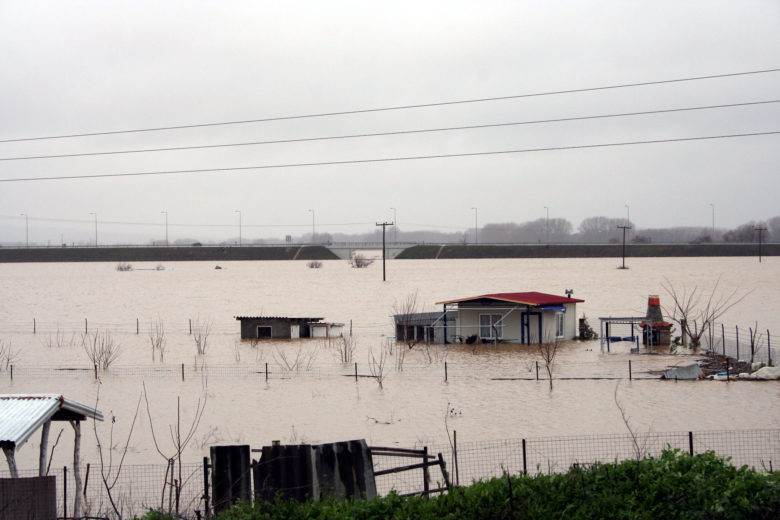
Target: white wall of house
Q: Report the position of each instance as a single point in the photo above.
(467, 323)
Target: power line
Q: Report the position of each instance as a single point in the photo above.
(398, 132)
(174, 225)
(388, 109)
(387, 159)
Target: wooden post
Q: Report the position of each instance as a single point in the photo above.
(206, 485)
(95, 365)
(65, 491)
(629, 370)
(34, 326)
(44, 445)
(736, 327)
(445, 371)
(190, 325)
(266, 371)
(86, 329)
(426, 477)
(356, 371)
(537, 371)
(9, 456)
(76, 470)
(350, 328)
(12, 372)
(723, 338)
(752, 343)
(768, 347)
(525, 464)
(690, 443)
(182, 371)
(455, 456)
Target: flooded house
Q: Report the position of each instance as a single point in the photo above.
(516, 317)
(287, 327)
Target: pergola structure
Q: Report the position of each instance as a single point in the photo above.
(22, 415)
(607, 337)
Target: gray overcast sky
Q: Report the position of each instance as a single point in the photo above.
(76, 67)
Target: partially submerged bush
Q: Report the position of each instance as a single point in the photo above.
(360, 261)
(124, 266)
(314, 264)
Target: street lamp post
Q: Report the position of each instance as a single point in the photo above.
(26, 230)
(95, 215)
(713, 220)
(395, 231)
(239, 225)
(547, 224)
(166, 226)
(313, 229)
(476, 227)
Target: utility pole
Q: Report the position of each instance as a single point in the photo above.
(624, 228)
(760, 230)
(384, 228)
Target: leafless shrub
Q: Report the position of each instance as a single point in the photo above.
(360, 261)
(179, 439)
(7, 354)
(695, 312)
(344, 348)
(59, 340)
(124, 266)
(157, 338)
(301, 362)
(101, 349)
(404, 319)
(314, 264)
(236, 351)
(377, 366)
(547, 351)
(201, 330)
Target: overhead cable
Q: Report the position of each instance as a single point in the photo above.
(398, 132)
(388, 109)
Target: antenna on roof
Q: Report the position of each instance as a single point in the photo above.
(569, 292)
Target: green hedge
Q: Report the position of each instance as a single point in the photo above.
(673, 485)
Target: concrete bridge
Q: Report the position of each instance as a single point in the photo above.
(345, 250)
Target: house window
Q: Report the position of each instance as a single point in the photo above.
(560, 329)
(490, 326)
(264, 332)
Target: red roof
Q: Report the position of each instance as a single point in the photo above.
(528, 298)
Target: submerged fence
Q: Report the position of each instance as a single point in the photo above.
(743, 343)
(137, 488)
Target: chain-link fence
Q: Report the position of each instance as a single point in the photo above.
(744, 343)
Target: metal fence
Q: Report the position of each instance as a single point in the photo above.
(743, 343)
(142, 487)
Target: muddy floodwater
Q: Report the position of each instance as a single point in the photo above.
(490, 392)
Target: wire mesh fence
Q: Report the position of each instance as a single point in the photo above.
(743, 343)
(137, 488)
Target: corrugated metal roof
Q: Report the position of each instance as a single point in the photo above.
(22, 415)
(527, 298)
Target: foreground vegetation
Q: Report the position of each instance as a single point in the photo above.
(673, 485)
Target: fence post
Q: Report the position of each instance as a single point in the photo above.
(12, 372)
(85, 326)
(190, 325)
(537, 371)
(736, 327)
(95, 370)
(525, 466)
(137, 327)
(266, 371)
(206, 485)
(356, 371)
(182, 371)
(690, 443)
(426, 484)
(629, 370)
(723, 337)
(752, 343)
(768, 347)
(34, 326)
(65, 491)
(455, 456)
(445, 371)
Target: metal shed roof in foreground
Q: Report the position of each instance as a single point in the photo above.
(22, 415)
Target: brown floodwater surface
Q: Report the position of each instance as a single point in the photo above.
(490, 392)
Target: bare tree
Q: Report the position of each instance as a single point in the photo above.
(180, 439)
(377, 365)
(59, 340)
(101, 348)
(303, 360)
(157, 338)
(405, 320)
(547, 351)
(108, 472)
(696, 312)
(7, 354)
(345, 348)
(201, 330)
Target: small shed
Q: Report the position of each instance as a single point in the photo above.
(22, 415)
(286, 327)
